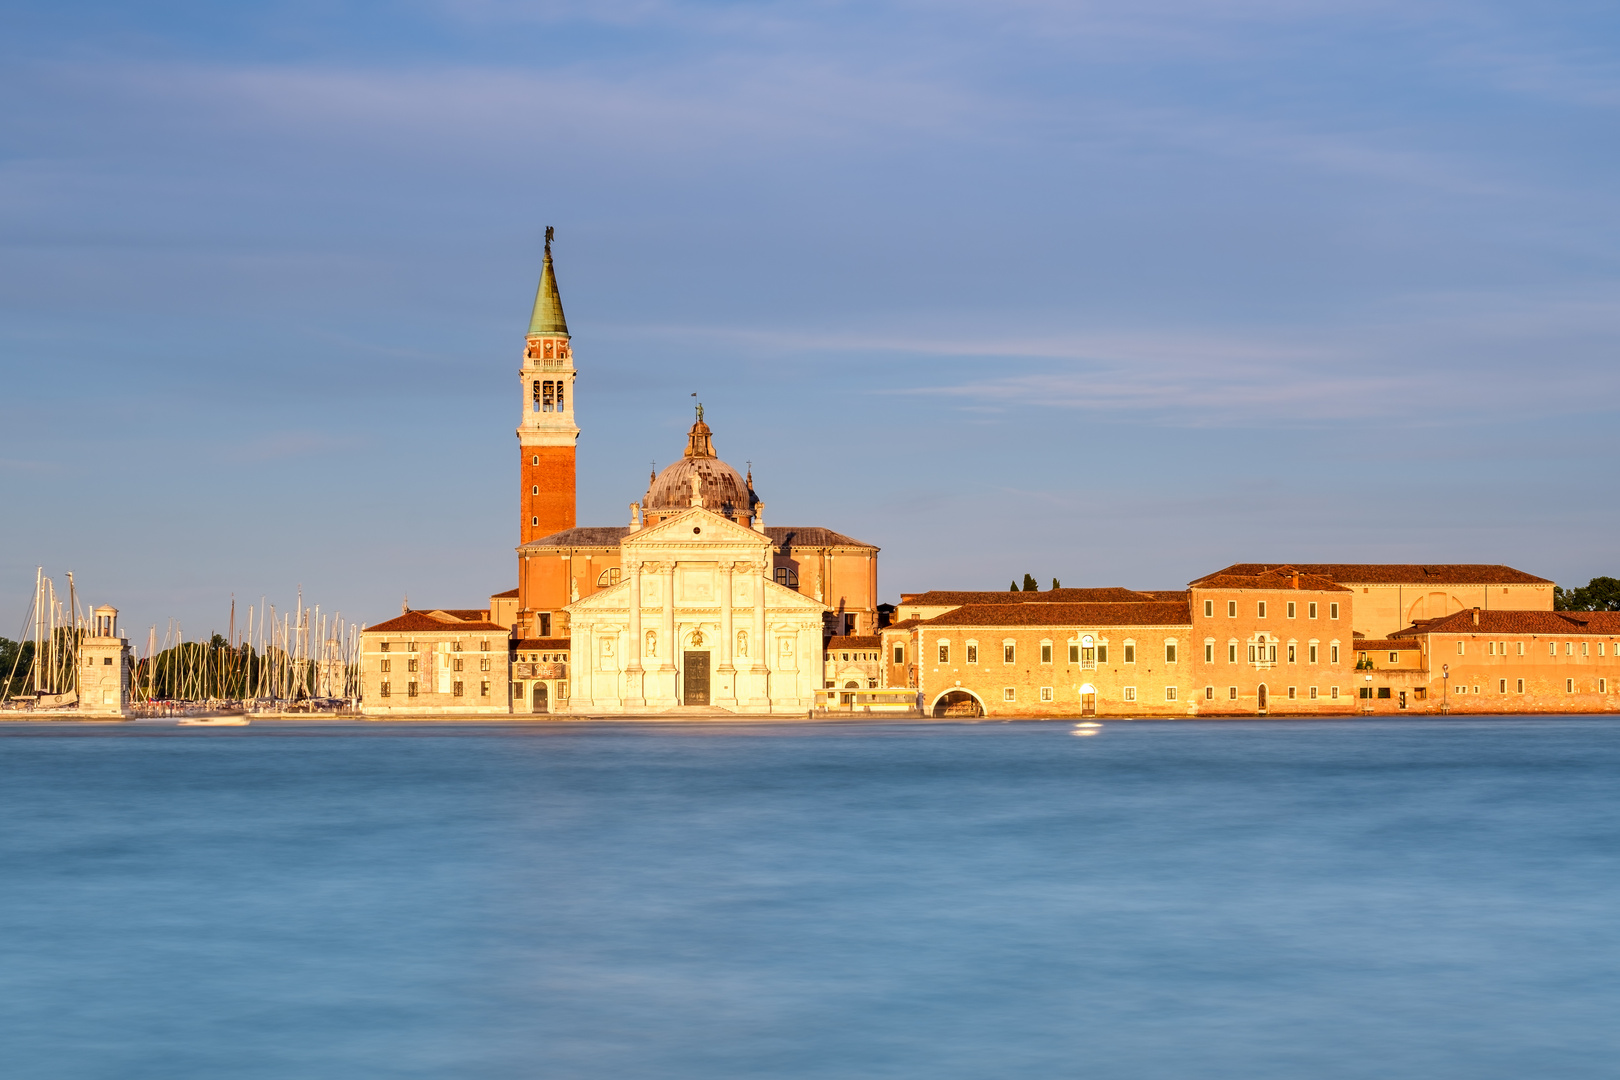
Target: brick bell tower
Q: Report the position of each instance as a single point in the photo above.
(547, 433)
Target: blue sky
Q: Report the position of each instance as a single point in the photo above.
(1113, 292)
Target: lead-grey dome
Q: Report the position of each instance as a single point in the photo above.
(722, 489)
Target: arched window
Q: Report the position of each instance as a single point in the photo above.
(610, 576)
(786, 575)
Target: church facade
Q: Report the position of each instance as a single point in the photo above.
(693, 604)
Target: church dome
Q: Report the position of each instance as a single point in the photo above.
(720, 487)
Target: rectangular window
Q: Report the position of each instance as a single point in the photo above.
(944, 654)
(1521, 648)
(1209, 693)
(1292, 693)
(1260, 609)
(899, 654)
(1231, 653)
(1009, 694)
(1130, 653)
(1501, 686)
(1333, 611)
(1231, 693)
(483, 664)
(1169, 693)
(1209, 609)
(1130, 693)
(1102, 654)
(1394, 657)
(455, 689)
(1333, 693)
(1046, 693)
(1603, 686)
(1313, 693)
(1583, 649)
(385, 646)
(1310, 610)
(1366, 693)
(1383, 692)
(410, 688)
(1461, 647)
(410, 664)
(1312, 652)
(456, 664)
(1231, 609)
(384, 691)
(1209, 652)
(1291, 654)
(386, 665)
(1074, 654)
(1046, 652)
(1009, 653)
(1169, 652)
(1252, 654)
(973, 654)
(1290, 609)
(1552, 648)
(1334, 651)
(1521, 686)
(1569, 686)
(1569, 648)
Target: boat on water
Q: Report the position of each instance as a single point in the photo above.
(213, 721)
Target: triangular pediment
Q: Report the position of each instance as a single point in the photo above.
(712, 530)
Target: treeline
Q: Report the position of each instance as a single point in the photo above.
(1599, 594)
(195, 670)
(1031, 585)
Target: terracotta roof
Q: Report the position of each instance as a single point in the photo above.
(583, 536)
(1105, 595)
(787, 536)
(1387, 645)
(553, 644)
(1518, 622)
(421, 620)
(504, 595)
(852, 642)
(465, 614)
(904, 624)
(1145, 613)
(1283, 577)
(1401, 573)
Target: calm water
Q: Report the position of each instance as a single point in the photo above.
(1404, 899)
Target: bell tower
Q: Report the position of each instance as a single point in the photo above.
(547, 433)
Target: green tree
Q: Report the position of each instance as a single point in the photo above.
(15, 660)
(1056, 584)
(1599, 594)
(1013, 587)
(1029, 583)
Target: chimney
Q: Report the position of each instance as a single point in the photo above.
(1476, 616)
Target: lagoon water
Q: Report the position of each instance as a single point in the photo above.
(1193, 900)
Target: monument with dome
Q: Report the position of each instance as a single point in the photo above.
(694, 604)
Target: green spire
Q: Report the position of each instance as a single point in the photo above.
(548, 313)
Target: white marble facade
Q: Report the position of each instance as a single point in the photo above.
(695, 600)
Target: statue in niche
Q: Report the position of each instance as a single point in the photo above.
(652, 643)
(742, 644)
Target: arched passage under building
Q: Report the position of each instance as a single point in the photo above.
(957, 702)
